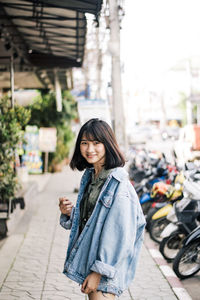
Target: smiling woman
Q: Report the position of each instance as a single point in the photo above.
(94, 152)
(107, 214)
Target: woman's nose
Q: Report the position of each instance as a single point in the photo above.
(90, 147)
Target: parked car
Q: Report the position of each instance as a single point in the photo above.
(170, 132)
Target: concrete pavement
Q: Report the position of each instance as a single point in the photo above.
(32, 257)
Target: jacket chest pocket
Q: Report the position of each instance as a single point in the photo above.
(108, 197)
(107, 200)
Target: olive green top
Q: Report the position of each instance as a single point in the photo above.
(90, 196)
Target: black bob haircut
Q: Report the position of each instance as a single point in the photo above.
(98, 130)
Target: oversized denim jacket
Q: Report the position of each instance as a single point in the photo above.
(111, 239)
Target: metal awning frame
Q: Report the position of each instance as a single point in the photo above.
(45, 34)
(38, 30)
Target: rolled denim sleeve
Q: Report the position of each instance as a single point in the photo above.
(103, 269)
(121, 236)
(66, 221)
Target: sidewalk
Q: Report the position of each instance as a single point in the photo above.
(31, 259)
(30, 188)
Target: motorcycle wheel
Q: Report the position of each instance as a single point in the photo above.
(170, 245)
(149, 216)
(187, 262)
(146, 207)
(156, 227)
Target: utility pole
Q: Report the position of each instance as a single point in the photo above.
(58, 91)
(12, 85)
(163, 120)
(198, 113)
(188, 101)
(99, 64)
(117, 102)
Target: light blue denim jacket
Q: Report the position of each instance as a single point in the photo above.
(111, 239)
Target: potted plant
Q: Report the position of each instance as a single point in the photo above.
(12, 121)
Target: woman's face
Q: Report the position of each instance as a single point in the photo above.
(93, 151)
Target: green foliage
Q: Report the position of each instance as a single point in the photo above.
(12, 121)
(44, 114)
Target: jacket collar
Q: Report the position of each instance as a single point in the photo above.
(118, 173)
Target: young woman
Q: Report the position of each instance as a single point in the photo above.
(107, 223)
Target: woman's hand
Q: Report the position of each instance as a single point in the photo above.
(91, 283)
(65, 206)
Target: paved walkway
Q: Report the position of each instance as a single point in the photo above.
(31, 259)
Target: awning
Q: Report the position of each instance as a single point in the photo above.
(44, 35)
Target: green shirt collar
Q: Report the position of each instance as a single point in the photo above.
(102, 175)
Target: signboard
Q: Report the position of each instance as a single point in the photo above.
(94, 108)
(32, 157)
(47, 139)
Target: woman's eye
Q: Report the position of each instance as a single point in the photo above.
(96, 142)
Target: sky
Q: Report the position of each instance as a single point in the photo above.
(157, 33)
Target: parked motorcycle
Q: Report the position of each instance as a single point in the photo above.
(146, 185)
(185, 217)
(156, 218)
(187, 211)
(158, 193)
(144, 174)
(187, 261)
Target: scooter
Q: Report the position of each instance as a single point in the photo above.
(187, 261)
(156, 218)
(146, 185)
(164, 177)
(184, 218)
(143, 184)
(187, 212)
(146, 174)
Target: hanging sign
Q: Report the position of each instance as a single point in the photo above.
(32, 157)
(47, 139)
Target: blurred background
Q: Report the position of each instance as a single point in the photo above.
(134, 64)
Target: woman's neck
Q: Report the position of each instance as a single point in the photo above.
(97, 170)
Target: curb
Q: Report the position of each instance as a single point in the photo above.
(168, 273)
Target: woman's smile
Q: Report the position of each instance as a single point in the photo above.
(90, 155)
